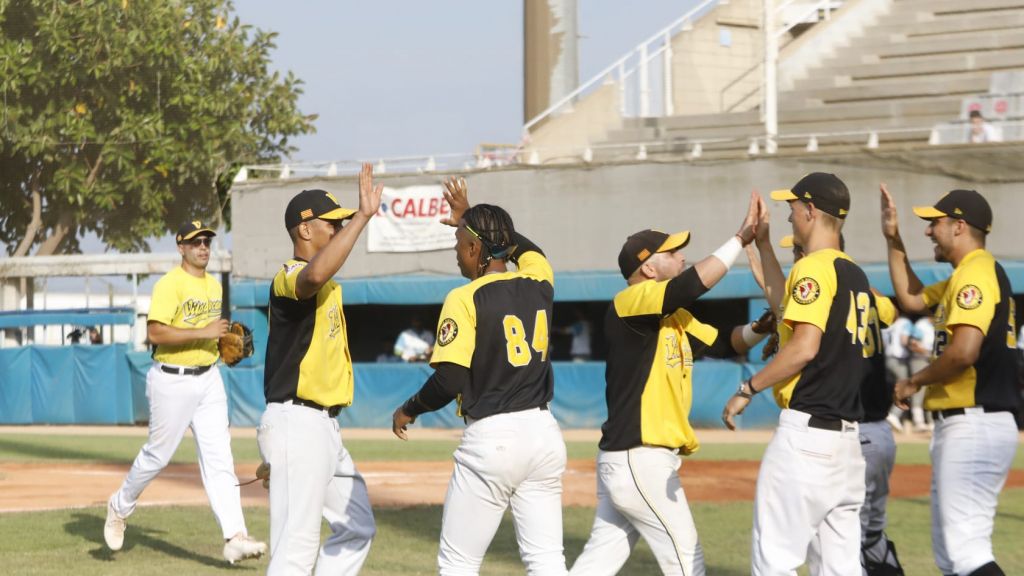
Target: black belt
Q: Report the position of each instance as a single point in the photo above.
(182, 371)
(825, 424)
(332, 411)
(943, 414)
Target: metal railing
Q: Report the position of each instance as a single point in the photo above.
(637, 61)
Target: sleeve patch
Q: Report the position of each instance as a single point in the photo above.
(969, 297)
(806, 290)
(447, 332)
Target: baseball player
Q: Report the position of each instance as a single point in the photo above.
(878, 553)
(185, 390)
(491, 355)
(652, 343)
(811, 484)
(307, 381)
(971, 383)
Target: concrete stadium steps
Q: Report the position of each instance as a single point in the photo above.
(907, 74)
(925, 66)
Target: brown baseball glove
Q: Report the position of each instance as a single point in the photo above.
(236, 345)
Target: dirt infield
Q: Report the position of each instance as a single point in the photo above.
(47, 486)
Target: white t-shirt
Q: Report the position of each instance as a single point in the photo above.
(924, 332)
(894, 347)
(412, 344)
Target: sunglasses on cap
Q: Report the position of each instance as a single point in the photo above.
(201, 241)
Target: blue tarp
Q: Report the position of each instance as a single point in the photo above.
(570, 286)
(77, 316)
(107, 385)
(65, 385)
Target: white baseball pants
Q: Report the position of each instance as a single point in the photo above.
(639, 494)
(810, 487)
(971, 457)
(515, 459)
(178, 402)
(312, 475)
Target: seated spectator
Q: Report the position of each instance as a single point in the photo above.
(580, 332)
(981, 130)
(95, 336)
(414, 344)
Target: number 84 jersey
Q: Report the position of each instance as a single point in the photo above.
(497, 326)
(827, 289)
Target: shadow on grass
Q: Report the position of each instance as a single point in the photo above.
(89, 527)
(34, 448)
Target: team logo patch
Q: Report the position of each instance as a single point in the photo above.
(969, 297)
(806, 290)
(447, 332)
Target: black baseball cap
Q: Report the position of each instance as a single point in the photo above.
(313, 204)
(966, 205)
(826, 191)
(646, 243)
(191, 230)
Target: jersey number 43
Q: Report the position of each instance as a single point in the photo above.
(862, 323)
(515, 339)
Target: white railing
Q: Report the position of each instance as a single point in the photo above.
(636, 64)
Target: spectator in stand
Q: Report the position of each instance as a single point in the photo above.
(414, 344)
(95, 336)
(982, 131)
(580, 331)
(75, 336)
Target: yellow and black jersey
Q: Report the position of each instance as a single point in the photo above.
(977, 294)
(827, 289)
(307, 347)
(497, 327)
(876, 391)
(652, 343)
(181, 300)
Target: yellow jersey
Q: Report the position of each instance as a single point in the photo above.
(181, 300)
(307, 344)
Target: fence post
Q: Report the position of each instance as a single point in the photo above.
(669, 106)
(645, 88)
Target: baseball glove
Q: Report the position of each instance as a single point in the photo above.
(236, 345)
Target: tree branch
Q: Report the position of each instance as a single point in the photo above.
(37, 218)
(52, 242)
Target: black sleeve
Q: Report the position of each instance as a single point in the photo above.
(447, 382)
(524, 245)
(720, 348)
(682, 291)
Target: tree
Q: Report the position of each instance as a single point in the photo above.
(125, 118)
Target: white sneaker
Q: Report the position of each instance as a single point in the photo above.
(895, 422)
(113, 529)
(241, 547)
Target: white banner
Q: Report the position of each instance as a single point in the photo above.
(409, 221)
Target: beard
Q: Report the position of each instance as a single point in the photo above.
(940, 256)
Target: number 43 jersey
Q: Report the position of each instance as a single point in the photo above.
(497, 326)
(828, 290)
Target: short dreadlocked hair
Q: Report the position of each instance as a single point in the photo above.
(493, 226)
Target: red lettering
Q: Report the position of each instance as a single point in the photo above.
(410, 208)
(394, 207)
(433, 207)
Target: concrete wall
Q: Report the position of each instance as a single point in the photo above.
(561, 138)
(580, 215)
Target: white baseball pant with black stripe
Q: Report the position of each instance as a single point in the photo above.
(638, 494)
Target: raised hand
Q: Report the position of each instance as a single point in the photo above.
(763, 220)
(369, 195)
(748, 229)
(457, 195)
(890, 220)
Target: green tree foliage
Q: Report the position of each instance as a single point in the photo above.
(126, 117)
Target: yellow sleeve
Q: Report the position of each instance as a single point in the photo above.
(535, 265)
(641, 299)
(456, 330)
(932, 295)
(887, 313)
(811, 288)
(699, 330)
(163, 305)
(975, 301)
(284, 281)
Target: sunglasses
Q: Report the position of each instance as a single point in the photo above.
(204, 241)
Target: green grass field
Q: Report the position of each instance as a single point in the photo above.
(176, 541)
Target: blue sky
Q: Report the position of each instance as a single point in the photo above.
(410, 77)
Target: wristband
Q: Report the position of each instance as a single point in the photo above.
(729, 252)
(751, 338)
(742, 390)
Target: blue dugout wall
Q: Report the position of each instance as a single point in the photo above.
(107, 384)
